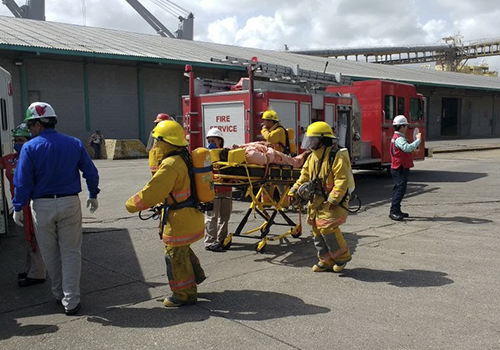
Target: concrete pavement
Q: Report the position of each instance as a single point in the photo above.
(427, 283)
(463, 145)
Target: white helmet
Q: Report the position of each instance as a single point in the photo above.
(400, 120)
(38, 110)
(214, 132)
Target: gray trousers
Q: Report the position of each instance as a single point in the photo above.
(217, 220)
(58, 229)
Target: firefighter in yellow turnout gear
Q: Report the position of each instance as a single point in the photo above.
(183, 224)
(155, 154)
(273, 132)
(324, 184)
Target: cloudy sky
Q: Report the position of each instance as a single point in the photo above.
(300, 24)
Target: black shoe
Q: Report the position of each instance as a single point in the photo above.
(30, 281)
(22, 275)
(73, 311)
(199, 280)
(215, 247)
(396, 217)
(405, 215)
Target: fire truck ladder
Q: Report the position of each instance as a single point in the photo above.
(277, 72)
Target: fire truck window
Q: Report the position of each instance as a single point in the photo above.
(416, 112)
(390, 107)
(401, 106)
(3, 107)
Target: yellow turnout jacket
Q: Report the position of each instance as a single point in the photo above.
(275, 136)
(335, 187)
(183, 226)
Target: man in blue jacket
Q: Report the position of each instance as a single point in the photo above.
(48, 173)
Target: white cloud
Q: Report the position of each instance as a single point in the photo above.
(223, 31)
(300, 24)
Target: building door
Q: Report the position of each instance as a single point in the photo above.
(449, 117)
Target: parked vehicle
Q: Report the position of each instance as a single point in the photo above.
(6, 125)
(360, 113)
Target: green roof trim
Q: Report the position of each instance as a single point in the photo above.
(64, 52)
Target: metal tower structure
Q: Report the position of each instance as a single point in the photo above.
(452, 55)
(33, 9)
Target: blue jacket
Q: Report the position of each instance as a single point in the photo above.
(50, 164)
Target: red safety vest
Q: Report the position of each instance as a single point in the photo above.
(398, 156)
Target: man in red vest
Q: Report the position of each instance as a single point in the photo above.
(401, 162)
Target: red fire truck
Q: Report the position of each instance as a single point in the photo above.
(361, 113)
(380, 102)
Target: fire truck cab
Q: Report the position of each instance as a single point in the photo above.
(381, 101)
(360, 114)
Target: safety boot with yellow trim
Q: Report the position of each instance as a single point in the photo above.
(172, 301)
(321, 266)
(338, 267)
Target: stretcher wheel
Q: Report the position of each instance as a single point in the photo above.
(259, 247)
(297, 234)
(226, 244)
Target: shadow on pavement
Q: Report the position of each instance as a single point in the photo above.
(402, 278)
(249, 305)
(375, 189)
(444, 176)
(256, 305)
(303, 253)
(109, 266)
(16, 329)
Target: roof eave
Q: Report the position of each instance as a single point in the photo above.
(85, 54)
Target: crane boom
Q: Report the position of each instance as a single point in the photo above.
(152, 20)
(34, 9)
(14, 8)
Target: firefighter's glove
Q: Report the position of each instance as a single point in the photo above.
(93, 204)
(18, 217)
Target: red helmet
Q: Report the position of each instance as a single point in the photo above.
(163, 116)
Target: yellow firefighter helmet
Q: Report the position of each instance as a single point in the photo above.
(320, 129)
(270, 115)
(171, 132)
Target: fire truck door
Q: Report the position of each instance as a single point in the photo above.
(305, 119)
(330, 116)
(228, 117)
(287, 113)
(344, 127)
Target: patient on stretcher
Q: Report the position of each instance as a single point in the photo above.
(261, 153)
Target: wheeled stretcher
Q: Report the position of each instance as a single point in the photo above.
(267, 187)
